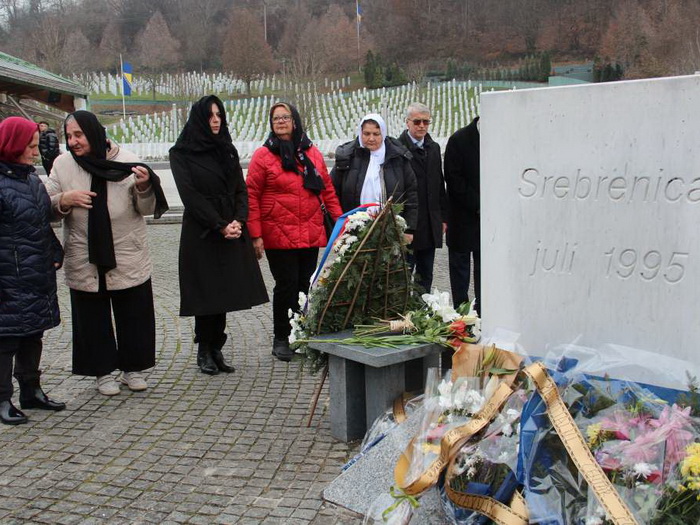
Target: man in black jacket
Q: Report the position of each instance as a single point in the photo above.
(48, 146)
(432, 200)
(463, 225)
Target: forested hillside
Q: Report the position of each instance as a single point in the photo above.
(319, 37)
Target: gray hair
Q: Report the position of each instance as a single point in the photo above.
(416, 107)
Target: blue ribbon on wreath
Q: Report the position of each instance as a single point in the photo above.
(339, 225)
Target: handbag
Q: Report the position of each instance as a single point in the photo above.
(328, 222)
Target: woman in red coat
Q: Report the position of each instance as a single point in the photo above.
(287, 182)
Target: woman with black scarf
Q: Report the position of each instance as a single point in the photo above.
(288, 184)
(217, 266)
(103, 192)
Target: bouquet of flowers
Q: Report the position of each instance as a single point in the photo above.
(486, 467)
(642, 440)
(460, 411)
(435, 322)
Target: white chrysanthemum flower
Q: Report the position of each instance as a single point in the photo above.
(469, 400)
(290, 313)
(642, 470)
(445, 391)
(302, 299)
(401, 222)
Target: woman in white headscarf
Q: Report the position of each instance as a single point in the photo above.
(374, 167)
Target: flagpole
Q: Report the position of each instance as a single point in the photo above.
(357, 23)
(121, 66)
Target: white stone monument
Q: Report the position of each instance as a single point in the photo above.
(590, 202)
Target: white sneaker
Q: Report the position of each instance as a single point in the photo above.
(134, 380)
(107, 386)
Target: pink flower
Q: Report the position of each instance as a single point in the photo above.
(435, 434)
(677, 426)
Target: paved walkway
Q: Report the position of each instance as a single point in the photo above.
(232, 448)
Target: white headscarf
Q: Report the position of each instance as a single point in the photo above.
(372, 186)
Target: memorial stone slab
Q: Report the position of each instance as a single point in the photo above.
(590, 205)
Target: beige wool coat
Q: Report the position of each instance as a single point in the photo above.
(126, 205)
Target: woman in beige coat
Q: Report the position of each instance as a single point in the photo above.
(103, 194)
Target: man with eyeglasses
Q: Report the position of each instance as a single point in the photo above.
(432, 200)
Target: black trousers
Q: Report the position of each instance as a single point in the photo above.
(292, 270)
(26, 353)
(422, 261)
(96, 352)
(209, 329)
(460, 276)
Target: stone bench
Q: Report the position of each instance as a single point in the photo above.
(365, 381)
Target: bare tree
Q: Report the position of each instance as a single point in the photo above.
(48, 38)
(110, 47)
(245, 51)
(157, 50)
(76, 56)
(201, 30)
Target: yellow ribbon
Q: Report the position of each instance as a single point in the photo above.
(575, 444)
(400, 496)
(451, 442)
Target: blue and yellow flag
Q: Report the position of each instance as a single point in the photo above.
(126, 79)
(359, 13)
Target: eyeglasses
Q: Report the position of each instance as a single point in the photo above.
(282, 118)
(418, 121)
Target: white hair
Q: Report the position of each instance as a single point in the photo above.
(416, 107)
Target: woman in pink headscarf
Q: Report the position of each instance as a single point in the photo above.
(29, 257)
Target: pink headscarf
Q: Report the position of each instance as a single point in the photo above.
(15, 135)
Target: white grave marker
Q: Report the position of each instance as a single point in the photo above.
(590, 200)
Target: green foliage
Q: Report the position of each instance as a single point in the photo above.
(457, 71)
(605, 71)
(379, 74)
(368, 279)
(532, 68)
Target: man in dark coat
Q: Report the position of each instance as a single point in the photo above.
(48, 146)
(432, 202)
(463, 228)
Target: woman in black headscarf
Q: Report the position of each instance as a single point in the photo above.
(218, 269)
(103, 193)
(288, 185)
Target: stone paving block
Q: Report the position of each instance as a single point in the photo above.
(190, 449)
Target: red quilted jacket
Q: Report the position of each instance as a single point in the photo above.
(281, 211)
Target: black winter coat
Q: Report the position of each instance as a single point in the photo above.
(462, 179)
(217, 275)
(28, 250)
(48, 144)
(432, 200)
(348, 175)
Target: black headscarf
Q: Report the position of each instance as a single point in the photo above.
(197, 136)
(292, 150)
(100, 240)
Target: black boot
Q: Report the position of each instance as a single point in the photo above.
(281, 350)
(218, 357)
(204, 360)
(32, 396)
(10, 414)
